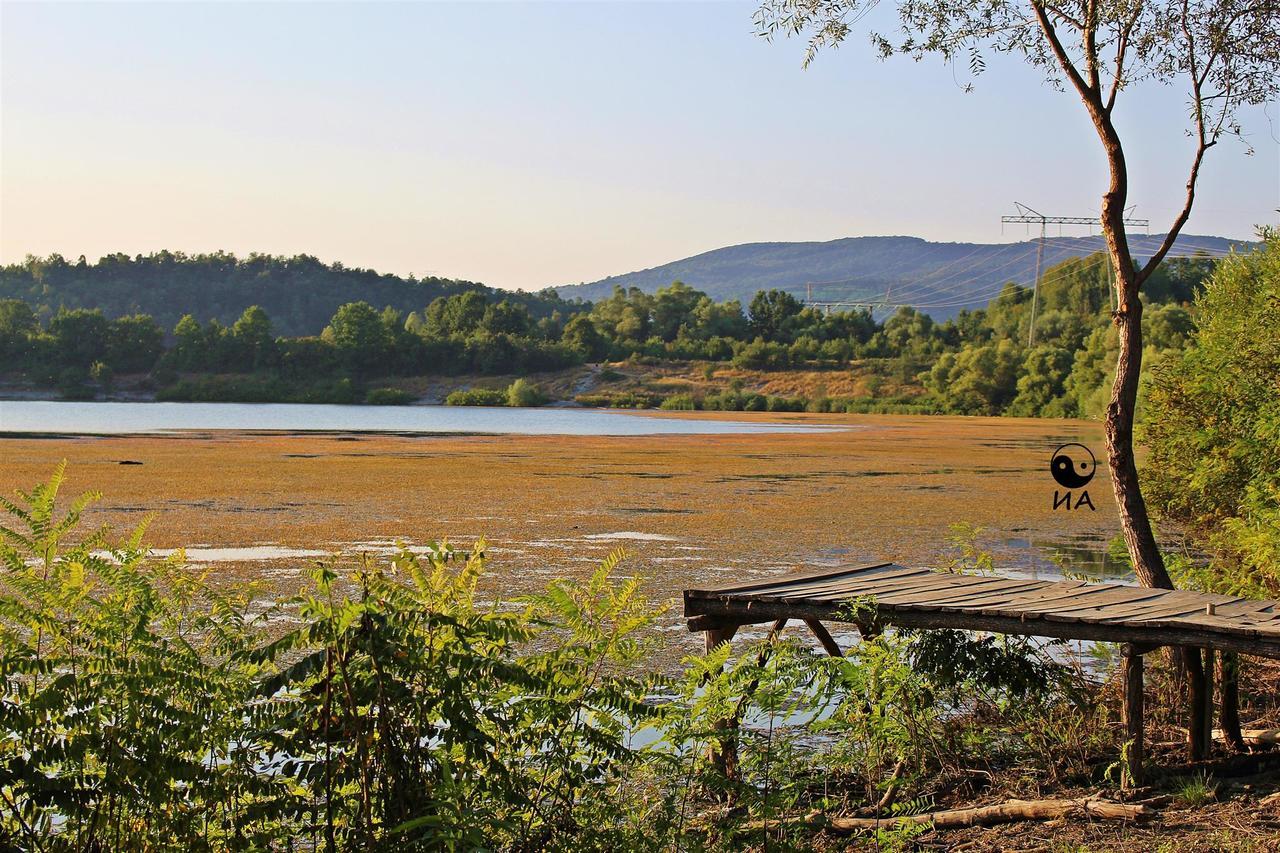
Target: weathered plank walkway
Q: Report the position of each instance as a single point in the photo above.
(886, 594)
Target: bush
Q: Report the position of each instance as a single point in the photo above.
(679, 403)
(257, 389)
(787, 404)
(144, 710)
(1213, 429)
(522, 394)
(389, 397)
(762, 355)
(72, 384)
(476, 397)
(619, 400)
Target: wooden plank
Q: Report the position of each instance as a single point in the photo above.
(799, 576)
(877, 591)
(935, 595)
(786, 586)
(1101, 607)
(842, 589)
(1046, 593)
(1038, 605)
(982, 599)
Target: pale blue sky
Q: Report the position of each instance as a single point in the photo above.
(534, 144)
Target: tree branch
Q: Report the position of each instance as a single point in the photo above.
(1060, 53)
(1203, 144)
(1122, 49)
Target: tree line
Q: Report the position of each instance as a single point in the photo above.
(982, 361)
(300, 293)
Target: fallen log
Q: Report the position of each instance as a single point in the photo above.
(1254, 737)
(1009, 811)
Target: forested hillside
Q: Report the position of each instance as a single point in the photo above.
(939, 278)
(299, 293)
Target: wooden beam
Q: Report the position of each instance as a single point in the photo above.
(713, 637)
(824, 636)
(1131, 768)
(1033, 626)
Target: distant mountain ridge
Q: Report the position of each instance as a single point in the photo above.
(941, 277)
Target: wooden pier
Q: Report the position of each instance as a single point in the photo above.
(886, 594)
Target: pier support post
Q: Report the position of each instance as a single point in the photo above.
(723, 750)
(1200, 698)
(1131, 770)
(1229, 709)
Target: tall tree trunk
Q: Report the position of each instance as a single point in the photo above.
(1135, 524)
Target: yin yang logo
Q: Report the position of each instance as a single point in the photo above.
(1073, 466)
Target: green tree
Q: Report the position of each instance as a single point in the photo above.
(455, 315)
(673, 308)
(977, 380)
(1044, 370)
(1225, 53)
(581, 334)
(506, 318)
(134, 343)
(359, 334)
(771, 312)
(1214, 425)
(80, 336)
(18, 324)
(255, 338)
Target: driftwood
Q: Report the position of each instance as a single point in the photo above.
(1009, 811)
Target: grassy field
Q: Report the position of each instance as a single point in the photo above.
(689, 509)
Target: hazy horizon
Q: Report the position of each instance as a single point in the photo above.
(537, 145)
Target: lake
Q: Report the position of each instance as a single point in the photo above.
(63, 417)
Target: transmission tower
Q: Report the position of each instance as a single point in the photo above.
(1029, 216)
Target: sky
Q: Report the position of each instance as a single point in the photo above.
(538, 144)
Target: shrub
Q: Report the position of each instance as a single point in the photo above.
(72, 384)
(476, 397)
(143, 710)
(619, 400)
(787, 404)
(679, 403)
(388, 397)
(762, 355)
(257, 389)
(523, 393)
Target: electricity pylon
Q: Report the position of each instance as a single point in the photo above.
(1027, 215)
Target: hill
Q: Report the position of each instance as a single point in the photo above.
(299, 293)
(939, 277)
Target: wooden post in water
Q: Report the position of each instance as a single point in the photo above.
(1131, 770)
(1206, 715)
(1229, 709)
(723, 751)
(1200, 691)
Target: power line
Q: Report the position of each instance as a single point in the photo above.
(1027, 215)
